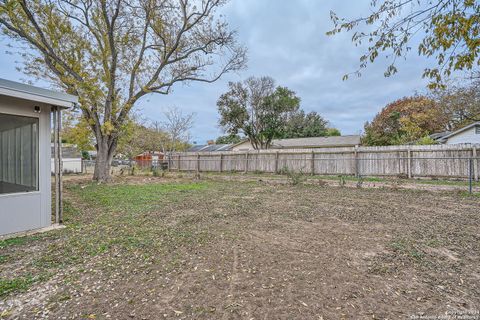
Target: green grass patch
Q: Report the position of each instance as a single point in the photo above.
(16, 241)
(127, 220)
(20, 284)
(467, 194)
(407, 248)
(136, 198)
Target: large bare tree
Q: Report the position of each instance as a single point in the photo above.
(177, 125)
(111, 53)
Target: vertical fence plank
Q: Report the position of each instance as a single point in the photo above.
(475, 164)
(356, 168)
(221, 162)
(312, 164)
(198, 162)
(246, 162)
(276, 162)
(409, 163)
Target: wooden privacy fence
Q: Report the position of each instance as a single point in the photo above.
(458, 161)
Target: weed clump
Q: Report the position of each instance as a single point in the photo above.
(294, 177)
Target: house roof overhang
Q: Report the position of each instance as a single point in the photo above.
(472, 125)
(32, 93)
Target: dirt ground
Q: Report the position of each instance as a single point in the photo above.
(177, 248)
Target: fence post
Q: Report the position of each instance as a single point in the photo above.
(312, 164)
(470, 175)
(178, 162)
(246, 161)
(198, 162)
(356, 164)
(409, 163)
(276, 162)
(476, 174)
(221, 162)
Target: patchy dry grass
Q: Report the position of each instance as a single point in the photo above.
(186, 249)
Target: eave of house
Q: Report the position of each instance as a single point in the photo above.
(31, 93)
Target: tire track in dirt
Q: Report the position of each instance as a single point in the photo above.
(233, 282)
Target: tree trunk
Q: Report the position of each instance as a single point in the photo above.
(103, 163)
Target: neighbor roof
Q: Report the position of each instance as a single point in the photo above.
(472, 125)
(439, 135)
(316, 142)
(209, 148)
(32, 93)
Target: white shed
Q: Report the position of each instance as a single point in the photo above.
(25, 139)
(468, 134)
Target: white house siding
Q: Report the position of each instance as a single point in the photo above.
(467, 136)
(31, 210)
(70, 165)
(244, 146)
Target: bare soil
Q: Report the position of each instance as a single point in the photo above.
(251, 250)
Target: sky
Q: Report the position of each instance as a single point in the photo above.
(286, 40)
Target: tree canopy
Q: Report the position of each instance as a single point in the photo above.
(140, 136)
(262, 112)
(111, 53)
(405, 120)
(460, 101)
(177, 125)
(302, 125)
(257, 108)
(76, 131)
(448, 32)
(333, 132)
(228, 139)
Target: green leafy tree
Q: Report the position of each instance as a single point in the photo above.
(75, 130)
(302, 125)
(405, 120)
(427, 140)
(333, 132)
(449, 31)
(257, 109)
(111, 53)
(229, 139)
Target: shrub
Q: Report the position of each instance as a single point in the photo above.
(293, 177)
(342, 181)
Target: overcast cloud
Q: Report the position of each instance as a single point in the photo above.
(286, 40)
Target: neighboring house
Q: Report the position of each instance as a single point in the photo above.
(468, 134)
(305, 143)
(25, 138)
(146, 158)
(210, 148)
(71, 160)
